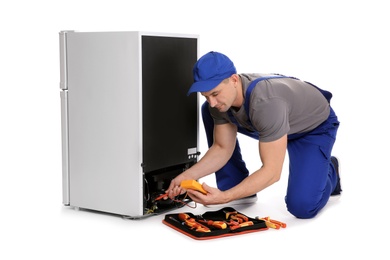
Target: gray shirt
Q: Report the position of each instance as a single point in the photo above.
(277, 107)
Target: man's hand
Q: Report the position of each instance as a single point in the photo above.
(213, 196)
(174, 188)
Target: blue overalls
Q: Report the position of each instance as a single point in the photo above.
(312, 177)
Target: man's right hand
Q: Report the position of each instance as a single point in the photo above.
(174, 188)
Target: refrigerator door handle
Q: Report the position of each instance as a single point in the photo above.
(65, 147)
(64, 116)
(63, 60)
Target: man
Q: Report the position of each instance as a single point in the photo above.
(282, 113)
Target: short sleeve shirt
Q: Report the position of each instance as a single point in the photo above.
(277, 107)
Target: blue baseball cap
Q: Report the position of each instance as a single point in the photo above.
(210, 70)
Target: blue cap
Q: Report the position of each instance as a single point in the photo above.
(210, 70)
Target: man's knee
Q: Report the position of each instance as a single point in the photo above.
(304, 208)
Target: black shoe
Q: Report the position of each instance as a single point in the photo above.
(337, 190)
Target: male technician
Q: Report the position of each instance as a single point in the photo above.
(282, 113)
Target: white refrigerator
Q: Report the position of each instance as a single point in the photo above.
(128, 126)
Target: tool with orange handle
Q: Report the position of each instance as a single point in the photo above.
(271, 223)
(217, 224)
(234, 215)
(243, 224)
(229, 213)
(192, 223)
(193, 185)
(161, 197)
(232, 223)
(240, 218)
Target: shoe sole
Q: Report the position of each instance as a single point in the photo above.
(247, 200)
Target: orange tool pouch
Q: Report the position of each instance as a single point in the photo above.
(214, 224)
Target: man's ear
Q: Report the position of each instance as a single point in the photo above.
(234, 78)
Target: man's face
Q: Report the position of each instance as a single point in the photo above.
(222, 96)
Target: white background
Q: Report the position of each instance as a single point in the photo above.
(341, 46)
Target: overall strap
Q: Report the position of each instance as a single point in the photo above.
(252, 86)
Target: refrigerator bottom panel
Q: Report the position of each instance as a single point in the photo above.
(154, 185)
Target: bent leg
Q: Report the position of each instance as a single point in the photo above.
(312, 176)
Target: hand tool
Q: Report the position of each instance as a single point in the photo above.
(193, 185)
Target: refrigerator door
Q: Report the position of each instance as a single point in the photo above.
(102, 75)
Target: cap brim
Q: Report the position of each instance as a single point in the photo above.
(204, 86)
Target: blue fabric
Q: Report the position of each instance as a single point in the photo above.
(312, 177)
(210, 70)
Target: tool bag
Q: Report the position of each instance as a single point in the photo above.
(216, 224)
